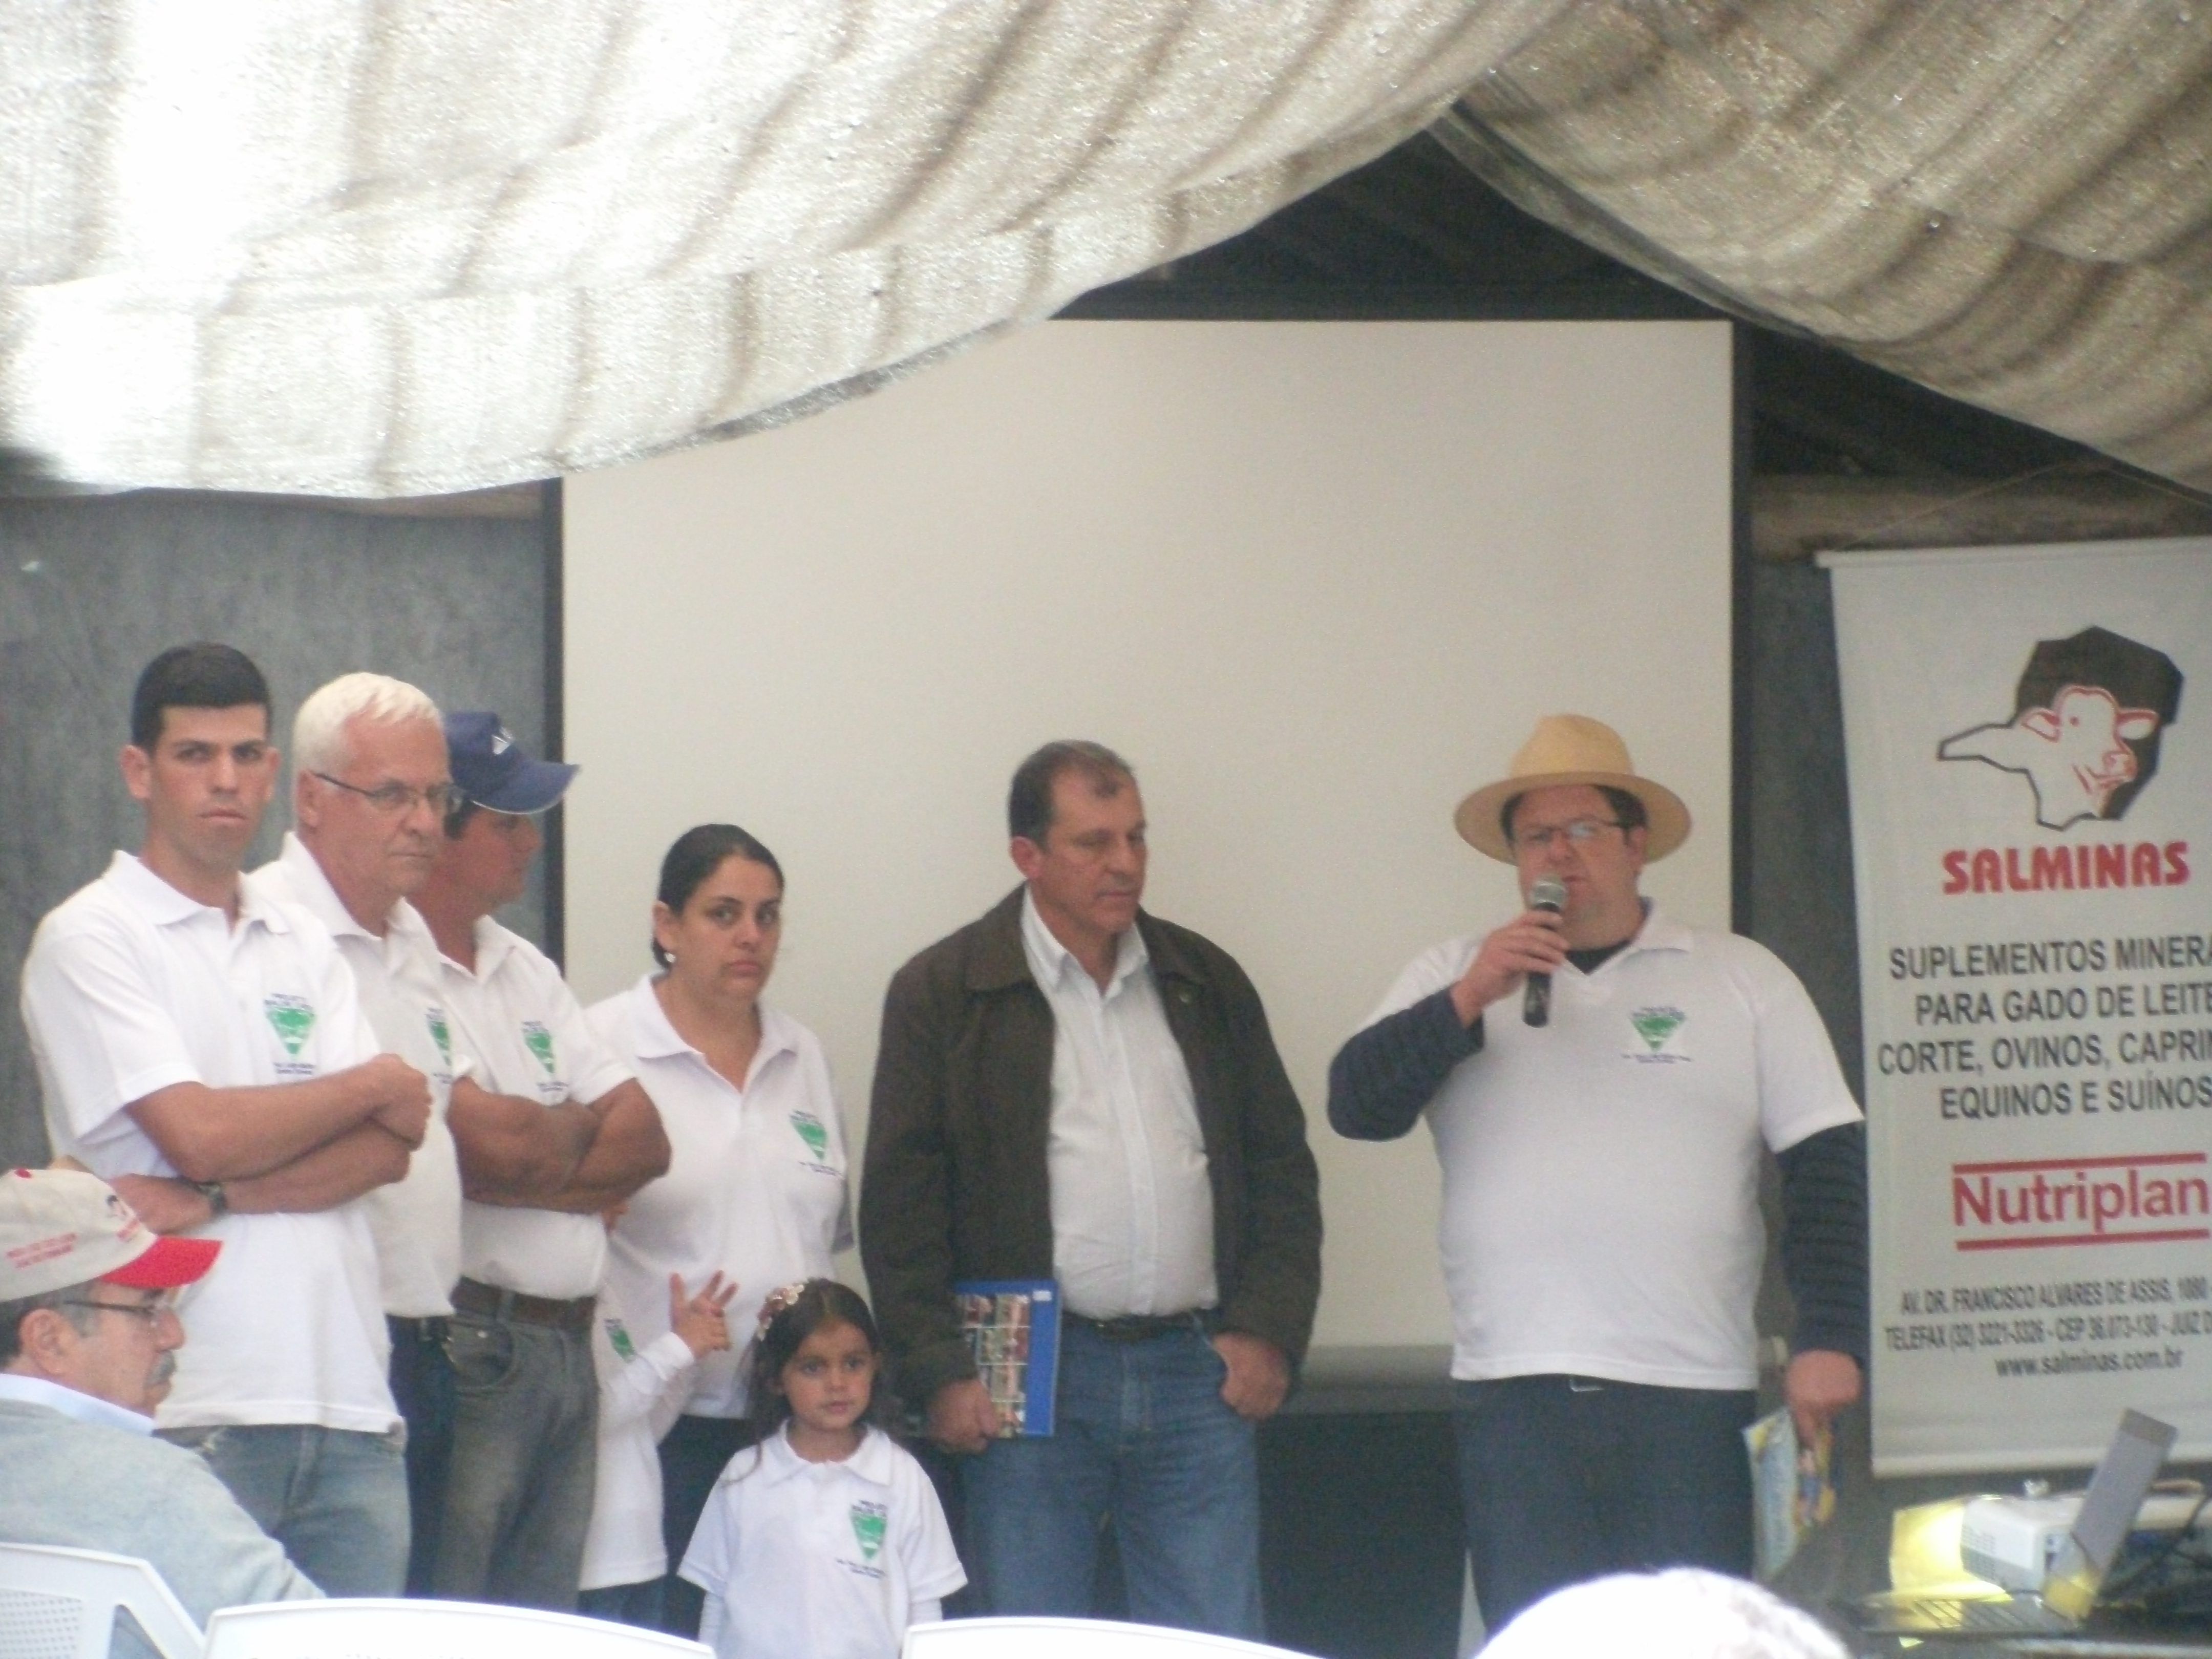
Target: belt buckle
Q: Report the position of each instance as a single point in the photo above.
(1584, 1385)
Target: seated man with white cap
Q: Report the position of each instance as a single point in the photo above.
(87, 1339)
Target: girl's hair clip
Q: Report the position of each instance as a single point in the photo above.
(781, 1300)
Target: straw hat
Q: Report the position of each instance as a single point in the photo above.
(1566, 749)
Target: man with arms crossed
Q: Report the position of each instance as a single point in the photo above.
(1602, 1237)
(187, 1025)
(88, 1336)
(369, 796)
(1070, 1088)
(554, 1132)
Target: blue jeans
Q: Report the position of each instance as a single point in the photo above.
(335, 1498)
(422, 1388)
(1565, 1479)
(1142, 1438)
(519, 1490)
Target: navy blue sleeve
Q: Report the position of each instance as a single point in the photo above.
(1823, 1239)
(1381, 1080)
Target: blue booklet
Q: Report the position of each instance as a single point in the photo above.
(1012, 1327)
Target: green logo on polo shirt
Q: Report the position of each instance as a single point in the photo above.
(811, 1131)
(440, 1034)
(1655, 1025)
(292, 1018)
(540, 1040)
(868, 1519)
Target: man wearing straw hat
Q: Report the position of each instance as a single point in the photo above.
(1600, 1080)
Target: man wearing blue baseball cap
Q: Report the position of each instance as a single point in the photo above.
(562, 1133)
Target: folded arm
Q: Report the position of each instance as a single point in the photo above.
(578, 1159)
(513, 1151)
(235, 1134)
(628, 1148)
(359, 1160)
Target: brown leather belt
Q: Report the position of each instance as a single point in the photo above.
(1143, 1328)
(490, 1302)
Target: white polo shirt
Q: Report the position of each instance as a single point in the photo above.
(131, 986)
(528, 1034)
(417, 1221)
(756, 1185)
(1600, 1203)
(825, 1559)
(1132, 1199)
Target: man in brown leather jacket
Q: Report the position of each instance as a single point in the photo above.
(1069, 1088)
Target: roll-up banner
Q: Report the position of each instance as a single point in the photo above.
(2031, 798)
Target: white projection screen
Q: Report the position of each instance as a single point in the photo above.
(1316, 581)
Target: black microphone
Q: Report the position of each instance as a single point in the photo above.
(1548, 894)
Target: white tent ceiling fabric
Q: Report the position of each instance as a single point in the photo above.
(402, 246)
(383, 247)
(2009, 203)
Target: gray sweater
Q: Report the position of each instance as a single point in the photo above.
(87, 1485)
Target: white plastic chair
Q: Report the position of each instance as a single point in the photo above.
(1070, 1639)
(369, 1629)
(58, 1603)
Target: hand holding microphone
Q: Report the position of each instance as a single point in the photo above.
(1549, 894)
(1525, 950)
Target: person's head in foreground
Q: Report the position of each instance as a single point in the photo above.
(86, 1289)
(814, 1366)
(1686, 1613)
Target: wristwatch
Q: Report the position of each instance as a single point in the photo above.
(218, 1201)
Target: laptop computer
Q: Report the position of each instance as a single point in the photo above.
(2077, 1572)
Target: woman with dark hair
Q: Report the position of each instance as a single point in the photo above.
(756, 1186)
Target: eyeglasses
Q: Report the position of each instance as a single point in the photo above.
(394, 798)
(1580, 833)
(151, 1312)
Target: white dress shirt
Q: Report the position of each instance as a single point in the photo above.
(1131, 1202)
(417, 1221)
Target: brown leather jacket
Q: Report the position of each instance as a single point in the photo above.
(956, 1186)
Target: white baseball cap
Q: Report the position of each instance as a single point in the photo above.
(62, 1227)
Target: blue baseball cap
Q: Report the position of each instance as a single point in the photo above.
(493, 770)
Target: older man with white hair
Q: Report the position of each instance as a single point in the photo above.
(88, 1336)
(370, 789)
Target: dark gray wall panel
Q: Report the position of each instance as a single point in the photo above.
(90, 588)
(1802, 901)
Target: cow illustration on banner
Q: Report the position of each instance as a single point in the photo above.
(2084, 726)
(2035, 968)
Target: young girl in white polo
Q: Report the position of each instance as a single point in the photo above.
(826, 1539)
